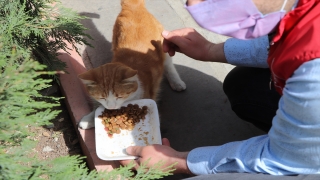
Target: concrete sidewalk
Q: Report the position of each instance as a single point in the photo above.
(199, 116)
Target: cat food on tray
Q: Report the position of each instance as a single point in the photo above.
(135, 123)
(126, 117)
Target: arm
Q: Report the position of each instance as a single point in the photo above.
(188, 41)
(293, 143)
(291, 147)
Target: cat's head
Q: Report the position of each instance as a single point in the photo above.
(111, 84)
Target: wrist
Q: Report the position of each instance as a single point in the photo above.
(215, 53)
(182, 166)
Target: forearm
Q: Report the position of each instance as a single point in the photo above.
(215, 53)
(250, 53)
(181, 159)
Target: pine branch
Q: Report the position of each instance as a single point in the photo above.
(156, 171)
(43, 29)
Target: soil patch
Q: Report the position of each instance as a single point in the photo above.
(60, 137)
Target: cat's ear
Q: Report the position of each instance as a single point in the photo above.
(133, 78)
(88, 82)
(131, 75)
(87, 79)
(130, 82)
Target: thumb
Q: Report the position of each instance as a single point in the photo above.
(171, 36)
(165, 142)
(134, 150)
(172, 42)
(165, 34)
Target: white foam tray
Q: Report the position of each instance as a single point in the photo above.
(146, 132)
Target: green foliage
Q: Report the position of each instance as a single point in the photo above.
(21, 104)
(157, 171)
(41, 28)
(32, 32)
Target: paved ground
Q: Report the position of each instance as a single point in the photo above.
(199, 116)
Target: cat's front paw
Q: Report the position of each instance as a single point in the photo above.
(87, 121)
(178, 85)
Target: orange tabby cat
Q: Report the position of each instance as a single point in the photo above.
(138, 63)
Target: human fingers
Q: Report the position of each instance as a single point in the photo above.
(134, 150)
(166, 43)
(187, 41)
(176, 37)
(176, 41)
(169, 47)
(165, 142)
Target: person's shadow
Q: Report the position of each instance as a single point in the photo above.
(100, 52)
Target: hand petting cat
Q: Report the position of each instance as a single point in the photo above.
(189, 42)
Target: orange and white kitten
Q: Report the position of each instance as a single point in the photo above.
(138, 63)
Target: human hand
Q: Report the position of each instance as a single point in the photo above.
(193, 2)
(189, 42)
(156, 153)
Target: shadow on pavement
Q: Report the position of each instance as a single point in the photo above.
(101, 52)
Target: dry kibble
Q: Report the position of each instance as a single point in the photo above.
(123, 118)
